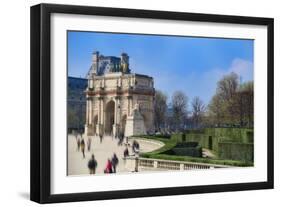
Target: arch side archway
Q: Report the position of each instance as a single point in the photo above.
(109, 117)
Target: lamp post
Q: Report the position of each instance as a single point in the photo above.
(118, 125)
(137, 161)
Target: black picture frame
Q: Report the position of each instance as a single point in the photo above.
(41, 95)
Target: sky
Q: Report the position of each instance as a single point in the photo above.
(189, 64)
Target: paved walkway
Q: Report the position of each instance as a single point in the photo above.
(77, 165)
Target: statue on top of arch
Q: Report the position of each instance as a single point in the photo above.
(108, 64)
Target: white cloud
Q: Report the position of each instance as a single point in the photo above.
(243, 68)
(208, 80)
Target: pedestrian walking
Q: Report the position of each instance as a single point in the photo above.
(83, 147)
(78, 144)
(126, 152)
(127, 141)
(92, 165)
(101, 137)
(135, 146)
(114, 162)
(119, 141)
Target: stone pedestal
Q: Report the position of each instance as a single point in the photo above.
(135, 124)
(99, 129)
(130, 164)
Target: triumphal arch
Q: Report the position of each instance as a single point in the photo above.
(119, 102)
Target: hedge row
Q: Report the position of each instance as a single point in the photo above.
(236, 154)
(236, 151)
(211, 137)
(187, 151)
(241, 135)
(202, 140)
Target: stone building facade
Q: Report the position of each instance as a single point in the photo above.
(118, 101)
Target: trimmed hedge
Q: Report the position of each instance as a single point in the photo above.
(211, 137)
(241, 135)
(162, 136)
(217, 142)
(236, 151)
(201, 139)
(187, 151)
(153, 136)
(194, 131)
(187, 144)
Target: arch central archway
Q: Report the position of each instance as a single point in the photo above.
(109, 117)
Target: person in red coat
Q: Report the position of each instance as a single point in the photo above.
(108, 168)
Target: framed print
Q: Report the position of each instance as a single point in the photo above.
(133, 103)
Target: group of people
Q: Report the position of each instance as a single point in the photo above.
(112, 163)
(81, 145)
(110, 167)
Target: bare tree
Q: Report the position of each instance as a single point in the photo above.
(244, 103)
(216, 110)
(248, 89)
(227, 86)
(222, 106)
(232, 103)
(179, 106)
(198, 110)
(160, 109)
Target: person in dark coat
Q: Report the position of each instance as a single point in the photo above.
(135, 146)
(92, 165)
(78, 144)
(126, 152)
(114, 162)
(83, 147)
(120, 141)
(101, 136)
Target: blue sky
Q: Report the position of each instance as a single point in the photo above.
(189, 64)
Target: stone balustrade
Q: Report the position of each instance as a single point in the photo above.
(147, 164)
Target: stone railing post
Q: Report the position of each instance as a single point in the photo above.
(181, 166)
(154, 163)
